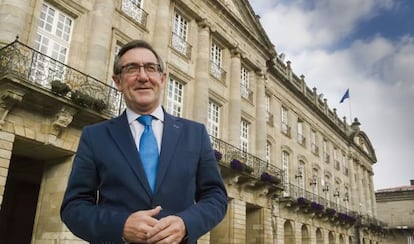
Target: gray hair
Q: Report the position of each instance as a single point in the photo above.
(131, 45)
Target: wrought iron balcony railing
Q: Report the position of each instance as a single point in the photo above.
(38, 69)
(134, 11)
(246, 93)
(293, 191)
(259, 166)
(181, 45)
(217, 72)
(366, 220)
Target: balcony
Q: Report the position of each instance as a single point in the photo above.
(136, 13)
(181, 45)
(301, 200)
(346, 171)
(30, 73)
(217, 72)
(337, 164)
(246, 93)
(269, 118)
(245, 167)
(314, 149)
(327, 158)
(301, 140)
(370, 224)
(286, 129)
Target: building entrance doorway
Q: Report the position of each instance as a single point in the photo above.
(18, 208)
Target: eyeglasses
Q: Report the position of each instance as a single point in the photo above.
(133, 69)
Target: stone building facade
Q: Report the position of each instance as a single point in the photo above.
(295, 172)
(396, 208)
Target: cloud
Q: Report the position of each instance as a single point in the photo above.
(378, 71)
(314, 24)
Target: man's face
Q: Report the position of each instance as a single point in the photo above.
(140, 80)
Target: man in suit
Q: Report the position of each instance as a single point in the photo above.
(115, 196)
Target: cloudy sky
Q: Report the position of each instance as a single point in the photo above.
(366, 46)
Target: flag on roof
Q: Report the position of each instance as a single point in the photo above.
(345, 96)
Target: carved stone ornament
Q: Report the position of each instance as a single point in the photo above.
(64, 117)
(8, 98)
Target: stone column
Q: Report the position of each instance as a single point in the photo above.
(353, 193)
(235, 99)
(99, 39)
(202, 76)
(361, 190)
(162, 30)
(367, 192)
(6, 146)
(261, 134)
(13, 15)
(372, 197)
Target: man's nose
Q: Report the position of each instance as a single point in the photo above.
(142, 74)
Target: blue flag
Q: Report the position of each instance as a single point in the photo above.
(345, 96)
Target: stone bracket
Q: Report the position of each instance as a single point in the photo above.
(62, 119)
(8, 98)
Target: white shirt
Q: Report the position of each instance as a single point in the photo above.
(137, 128)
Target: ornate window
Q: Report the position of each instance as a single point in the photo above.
(284, 121)
(175, 97)
(285, 168)
(52, 39)
(344, 164)
(180, 35)
(268, 151)
(314, 146)
(269, 115)
(244, 135)
(216, 56)
(301, 138)
(213, 123)
(244, 83)
(326, 156)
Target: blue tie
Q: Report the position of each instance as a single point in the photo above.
(148, 150)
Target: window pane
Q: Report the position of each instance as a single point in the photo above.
(175, 97)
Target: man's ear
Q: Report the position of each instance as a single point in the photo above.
(164, 77)
(117, 81)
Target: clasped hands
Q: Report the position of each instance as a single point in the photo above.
(143, 227)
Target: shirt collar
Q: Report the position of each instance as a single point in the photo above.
(157, 113)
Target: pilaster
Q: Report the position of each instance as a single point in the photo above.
(373, 198)
(201, 96)
(235, 99)
(280, 233)
(361, 187)
(261, 134)
(267, 224)
(239, 217)
(162, 31)
(99, 39)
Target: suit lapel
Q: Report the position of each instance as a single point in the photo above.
(120, 131)
(171, 133)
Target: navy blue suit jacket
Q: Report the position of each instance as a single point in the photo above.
(108, 182)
